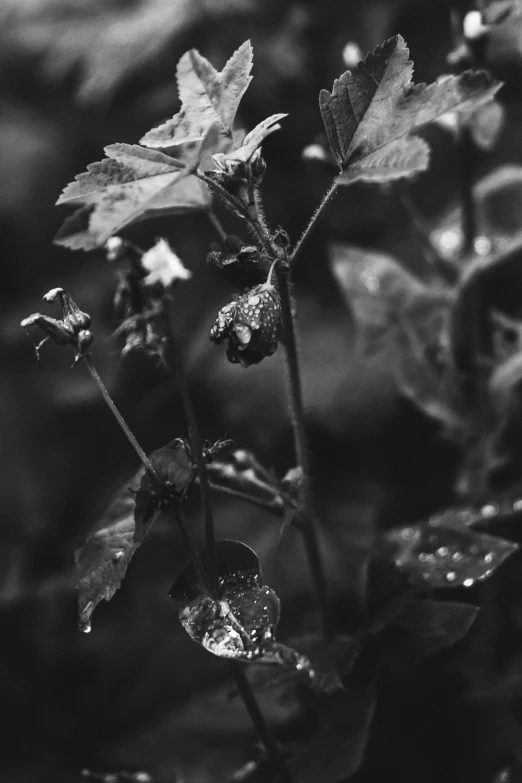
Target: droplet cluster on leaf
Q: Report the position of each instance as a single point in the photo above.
(251, 325)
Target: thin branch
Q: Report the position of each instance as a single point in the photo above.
(267, 505)
(196, 447)
(119, 418)
(258, 720)
(234, 202)
(301, 449)
(304, 236)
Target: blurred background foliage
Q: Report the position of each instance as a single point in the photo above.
(76, 75)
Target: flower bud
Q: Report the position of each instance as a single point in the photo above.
(251, 325)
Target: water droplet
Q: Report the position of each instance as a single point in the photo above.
(482, 246)
(424, 557)
(489, 557)
(442, 551)
(117, 556)
(468, 582)
(407, 534)
(450, 241)
(489, 510)
(451, 576)
(517, 505)
(427, 576)
(85, 627)
(457, 557)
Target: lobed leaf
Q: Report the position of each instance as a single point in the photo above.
(132, 183)
(207, 97)
(373, 106)
(255, 138)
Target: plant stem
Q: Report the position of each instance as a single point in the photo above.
(197, 450)
(304, 236)
(193, 551)
(242, 683)
(119, 418)
(467, 201)
(301, 449)
(277, 510)
(250, 702)
(237, 205)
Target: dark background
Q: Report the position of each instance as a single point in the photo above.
(136, 693)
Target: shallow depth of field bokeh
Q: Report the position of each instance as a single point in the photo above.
(137, 693)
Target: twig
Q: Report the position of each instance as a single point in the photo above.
(119, 418)
(301, 449)
(216, 224)
(304, 236)
(193, 551)
(258, 720)
(196, 447)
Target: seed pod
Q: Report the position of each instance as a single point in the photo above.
(251, 325)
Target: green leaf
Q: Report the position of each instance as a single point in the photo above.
(373, 106)
(129, 185)
(207, 97)
(433, 625)
(446, 552)
(255, 138)
(399, 158)
(103, 559)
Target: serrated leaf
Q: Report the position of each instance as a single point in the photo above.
(433, 625)
(446, 552)
(376, 104)
(207, 97)
(255, 138)
(401, 158)
(103, 559)
(130, 185)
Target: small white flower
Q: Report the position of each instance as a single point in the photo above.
(163, 265)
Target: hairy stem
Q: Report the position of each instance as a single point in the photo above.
(301, 449)
(250, 702)
(196, 444)
(234, 202)
(119, 418)
(304, 236)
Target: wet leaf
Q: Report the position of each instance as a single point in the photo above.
(240, 620)
(103, 559)
(374, 106)
(336, 752)
(131, 184)
(446, 552)
(175, 471)
(207, 97)
(432, 625)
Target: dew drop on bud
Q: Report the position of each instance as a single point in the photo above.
(85, 627)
